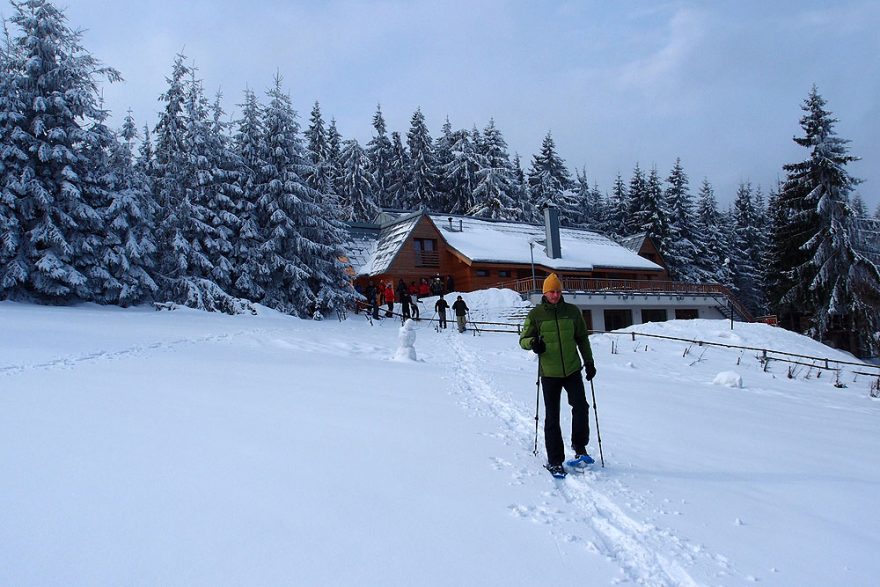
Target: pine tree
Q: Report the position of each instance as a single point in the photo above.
(250, 268)
(548, 179)
(521, 196)
(637, 213)
(460, 174)
(679, 249)
(131, 216)
(616, 221)
(398, 173)
(379, 153)
(357, 187)
(422, 176)
(648, 212)
(443, 159)
(53, 138)
(837, 286)
(495, 193)
(712, 260)
(746, 253)
(14, 265)
(304, 246)
(328, 169)
(224, 197)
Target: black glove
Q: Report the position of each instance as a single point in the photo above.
(590, 368)
(538, 345)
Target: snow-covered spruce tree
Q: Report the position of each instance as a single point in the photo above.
(637, 194)
(648, 213)
(593, 205)
(53, 157)
(303, 250)
(399, 173)
(443, 156)
(712, 261)
(13, 160)
(334, 153)
(839, 287)
(746, 253)
(379, 153)
(617, 212)
(196, 208)
(548, 179)
(224, 196)
(250, 268)
(459, 176)
(328, 169)
(130, 253)
(494, 195)
(521, 197)
(357, 188)
(422, 176)
(680, 251)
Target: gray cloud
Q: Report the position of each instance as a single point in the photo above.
(717, 84)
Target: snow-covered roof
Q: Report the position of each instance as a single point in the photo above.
(373, 247)
(378, 246)
(633, 242)
(361, 244)
(490, 241)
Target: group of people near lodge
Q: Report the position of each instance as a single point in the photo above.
(386, 294)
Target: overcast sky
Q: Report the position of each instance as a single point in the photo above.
(717, 83)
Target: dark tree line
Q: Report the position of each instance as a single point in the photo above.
(217, 213)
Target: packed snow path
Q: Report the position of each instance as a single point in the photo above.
(582, 508)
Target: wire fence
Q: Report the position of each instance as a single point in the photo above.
(764, 356)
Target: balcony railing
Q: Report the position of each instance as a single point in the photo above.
(427, 259)
(625, 286)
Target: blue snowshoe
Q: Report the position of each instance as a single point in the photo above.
(557, 471)
(580, 462)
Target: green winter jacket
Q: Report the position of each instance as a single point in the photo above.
(564, 332)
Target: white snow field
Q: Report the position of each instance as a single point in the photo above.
(185, 448)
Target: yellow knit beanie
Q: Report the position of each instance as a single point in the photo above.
(552, 283)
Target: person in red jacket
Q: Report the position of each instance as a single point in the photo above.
(389, 299)
(424, 289)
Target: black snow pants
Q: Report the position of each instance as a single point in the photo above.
(580, 414)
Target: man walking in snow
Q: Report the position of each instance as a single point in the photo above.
(440, 307)
(555, 330)
(461, 310)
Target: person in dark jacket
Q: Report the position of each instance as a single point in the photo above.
(450, 284)
(461, 310)
(414, 299)
(372, 295)
(440, 306)
(402, 294)
(555, 330)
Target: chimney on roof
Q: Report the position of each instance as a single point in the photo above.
(552, 244)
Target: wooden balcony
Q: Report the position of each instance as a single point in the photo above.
(590, 285)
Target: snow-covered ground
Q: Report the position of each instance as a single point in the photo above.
(185, 448)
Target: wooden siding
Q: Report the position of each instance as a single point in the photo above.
(466, 273)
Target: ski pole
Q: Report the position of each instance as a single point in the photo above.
(598, 434)
(474, 324)
(537, 405)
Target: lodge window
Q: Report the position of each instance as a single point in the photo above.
(426, 251)
(653, 315)
(503, 273)
(482, 273)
